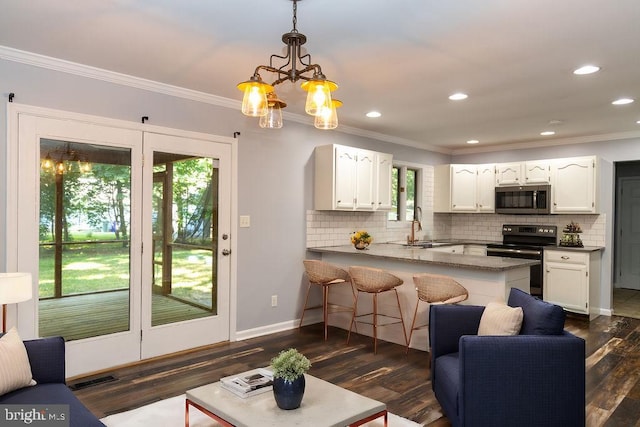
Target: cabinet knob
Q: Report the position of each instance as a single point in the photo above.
(564, 257)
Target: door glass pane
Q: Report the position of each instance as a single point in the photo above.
(184, 219)
(84, 256)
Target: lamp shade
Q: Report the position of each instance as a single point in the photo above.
(15, 287)
(328, 117)
(318, 95)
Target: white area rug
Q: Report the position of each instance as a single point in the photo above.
(170, 413)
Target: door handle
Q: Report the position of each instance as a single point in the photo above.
(226, 252)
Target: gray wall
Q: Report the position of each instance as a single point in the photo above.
(275, 176)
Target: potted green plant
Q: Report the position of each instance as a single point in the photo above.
(288, 368)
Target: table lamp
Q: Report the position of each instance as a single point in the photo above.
(14, 288)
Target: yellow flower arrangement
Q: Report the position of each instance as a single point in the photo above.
(361, 236)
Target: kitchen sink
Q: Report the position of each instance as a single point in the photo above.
(421, 244)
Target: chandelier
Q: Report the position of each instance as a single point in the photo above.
(260, 99)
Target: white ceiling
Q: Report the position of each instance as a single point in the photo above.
(402, 57)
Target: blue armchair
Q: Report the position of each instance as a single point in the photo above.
(533, 379)
(47, 360)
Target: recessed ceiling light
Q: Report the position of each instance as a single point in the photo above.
(638, 122)
(586, 69)
(547, 133)
(472, 141)
(373, 114)
(622, 101)
(458, 96)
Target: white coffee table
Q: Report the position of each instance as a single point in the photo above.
(323, 404)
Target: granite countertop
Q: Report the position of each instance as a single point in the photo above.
(577, 249)
(427, 256)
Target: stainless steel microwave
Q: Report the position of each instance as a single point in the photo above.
(523, 199)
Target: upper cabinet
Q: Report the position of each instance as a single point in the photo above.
(537, 172)
(523, 173)
(508, 174)
(573, 185)
(471, 188)
(464, 188)
(348, 178)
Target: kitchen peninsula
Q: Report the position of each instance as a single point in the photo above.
(485, 278)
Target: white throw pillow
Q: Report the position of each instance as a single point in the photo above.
(500, 319)
(15, 370)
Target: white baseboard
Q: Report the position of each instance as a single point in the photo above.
(309, 319)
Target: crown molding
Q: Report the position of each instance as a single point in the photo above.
(549, 143)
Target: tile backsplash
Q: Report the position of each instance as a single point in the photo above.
(333, 228)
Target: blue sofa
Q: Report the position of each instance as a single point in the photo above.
(536, 378)
(47, 359)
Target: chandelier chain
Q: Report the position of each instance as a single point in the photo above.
(295, 16)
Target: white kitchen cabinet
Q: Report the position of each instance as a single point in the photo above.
(508, 174)
(573, 185)
(464, 188)
(450, 249)
(348, 178)
(486, 188)
(572, 280)
(384, 172)
(537, 172)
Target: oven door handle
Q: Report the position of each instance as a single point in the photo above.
(514, 251)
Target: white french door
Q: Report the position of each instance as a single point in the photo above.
(127, 236)
(186, 240)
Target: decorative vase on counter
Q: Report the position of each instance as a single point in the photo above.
(288, 394)
(361, 239)
(361, 245)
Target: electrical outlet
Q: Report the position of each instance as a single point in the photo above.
(245, 221)
(274, 300)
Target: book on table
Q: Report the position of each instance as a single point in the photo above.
(250, 383)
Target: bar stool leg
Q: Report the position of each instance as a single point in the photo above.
(304, 309)
(375, 323)
(404, 330)
(413, 324)
(325, 308)
(353, 317)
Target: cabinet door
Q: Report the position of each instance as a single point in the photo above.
(508, 174)
(463, 188)
(537, 172)
(366, 162)
(567, 285)
(345, 179)
(573, 185)
(383, 180)
(486, 188)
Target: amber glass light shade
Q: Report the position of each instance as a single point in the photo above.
(273, 118)
(318, 95)
(254, 102)
(328, 117)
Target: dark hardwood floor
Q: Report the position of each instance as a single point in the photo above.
(391, 376)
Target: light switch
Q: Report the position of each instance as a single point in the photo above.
(245, 221)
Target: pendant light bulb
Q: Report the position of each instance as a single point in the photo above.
(254, 102)
(273, 118)
(318, 95)
(328, 117)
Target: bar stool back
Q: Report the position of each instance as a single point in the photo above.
(435, 289)
(375, 281)
(324, 275)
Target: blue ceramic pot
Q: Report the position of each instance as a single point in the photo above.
(288, 394)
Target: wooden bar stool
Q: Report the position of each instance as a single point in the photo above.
(375, 281)
(435, 289)
(324, 274)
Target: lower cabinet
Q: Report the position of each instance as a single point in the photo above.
(572, 280)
